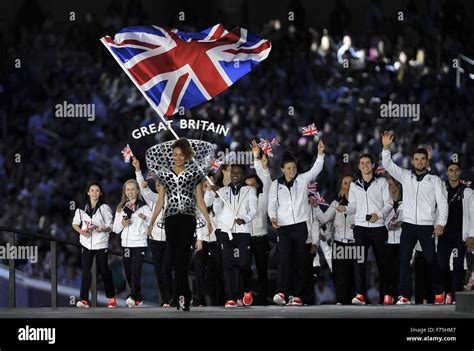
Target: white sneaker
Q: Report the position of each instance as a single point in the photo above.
(132, 303)
(82, 304)
(358, 300)
(279, 299)
(403, 301)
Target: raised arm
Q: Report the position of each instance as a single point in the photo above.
(318, 165)
(395, 171)
(148, 195)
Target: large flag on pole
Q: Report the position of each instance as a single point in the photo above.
(174, 68)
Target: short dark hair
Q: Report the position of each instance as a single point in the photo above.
(101, 188)
(420, 150)
(287, 157)
(185, 147)
(369, 156)
(453, 163)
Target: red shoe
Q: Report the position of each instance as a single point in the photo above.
(439, 299)
(279, 299)
(388, 300)
(248, 299)
(296, 301)
(230, 304)
(111, 303)
(403, 301)
(449, 299)
(83, 304)
(358, 300)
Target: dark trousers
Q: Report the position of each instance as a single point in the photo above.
(423, 283)
(307, 294)
(209, 274)
(259, 249)
(412, 233)
(377, 238)
(162, 270)
(393, 258)
(291, 242)
(343, 270)
(180, 230)
(447, 243)
(133, 262)
(87, 257)
(236, 260)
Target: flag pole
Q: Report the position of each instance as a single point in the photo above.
(168, 125)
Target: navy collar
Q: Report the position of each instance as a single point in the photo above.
(236, 188)
(283, 181)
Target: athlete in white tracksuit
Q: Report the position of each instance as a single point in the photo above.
(288, 210)
(425, 213)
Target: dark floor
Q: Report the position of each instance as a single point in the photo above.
(330, 311)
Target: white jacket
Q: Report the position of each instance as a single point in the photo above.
(158, 233)
(203, 232)
(394, 217)
(313, 227)
(467, 212)
(422, 198)
(376, 199)
(244, 205)
(102, 218)
(343, 223)
(260, 222)
(135, 234)
(290, 206)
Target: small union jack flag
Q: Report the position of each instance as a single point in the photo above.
(311, 130)
(465, 182)
(313, 188)
(90, 227)
(319, 199)
(266, 146)
(215, 165)
(150, 175)
(379, 170)
(127, 153)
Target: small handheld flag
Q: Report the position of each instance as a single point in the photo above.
(311, 130)
(127, 153)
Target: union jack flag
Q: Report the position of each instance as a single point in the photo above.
(90, 227)
(379, 170)
(465, 182)
(150, 175)
(313, 188)
(266, 146)
(127, 153)
(319, 199)
(175, 68)
(311, 130)
(215, 165)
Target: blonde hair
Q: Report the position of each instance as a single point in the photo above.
(124, 197)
